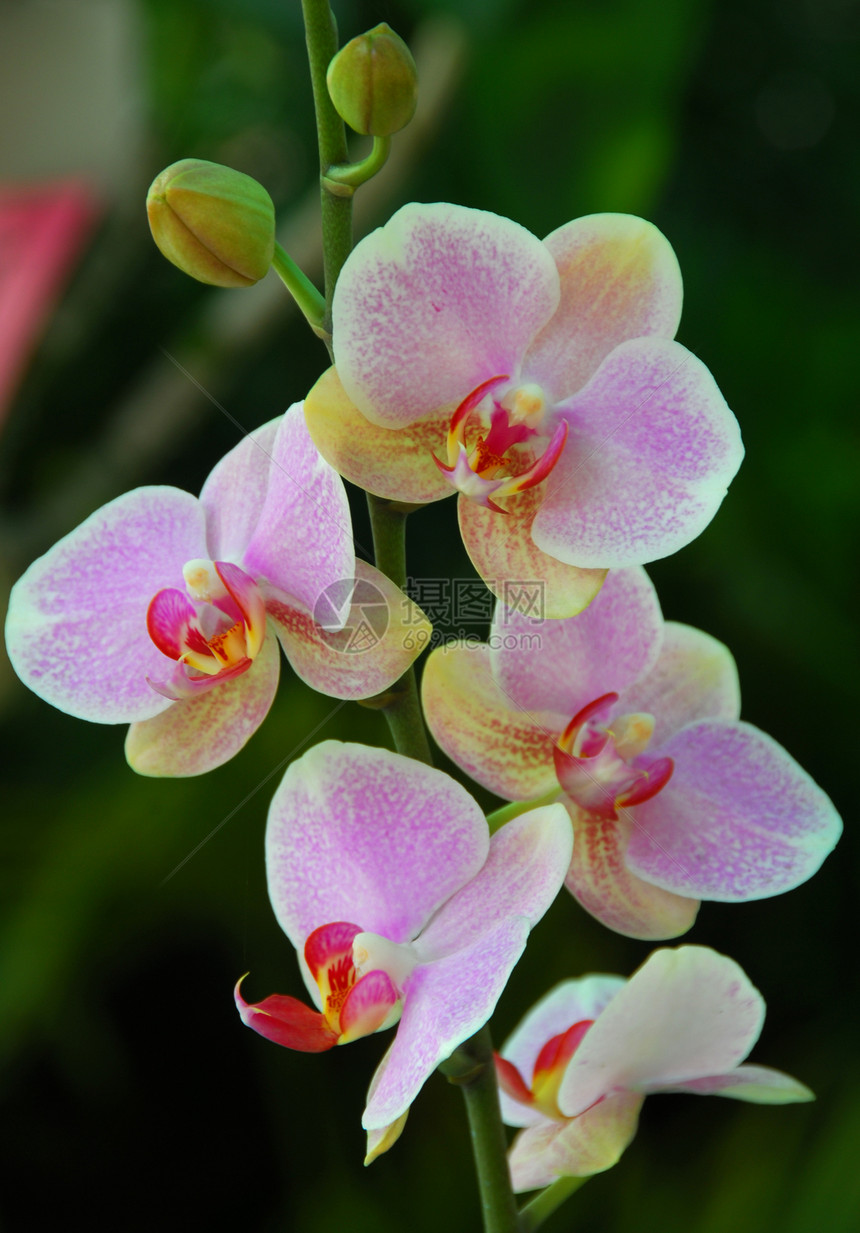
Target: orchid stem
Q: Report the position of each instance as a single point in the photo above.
(535, 1213)
(403, 713)
(348, 179)
(506, 813)
(472, 1068)
(300, 288)
(321, 39)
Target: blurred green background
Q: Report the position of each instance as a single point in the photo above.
(133, 1098)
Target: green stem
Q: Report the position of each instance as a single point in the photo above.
(403, 711)
(355, 174)
(300, 288)
(321, 39)
(505, 813)
(471, 1067)
(535, 1213)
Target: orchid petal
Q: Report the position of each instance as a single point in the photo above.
(566, 1004)
(350, 838)
(619, 280)
(500, 746)
(395, 463)
(684, 1013)
(502, 550)
(523, 874)
(383, 633)
(694, 678)
(739, 820)
(76, 629)
(286, 1021)
(650, 424)
(245, 594)
(435, 302)
(590, 1143)
(205, 731)
(563, 665)
(302, 542)
(759, 1085)
(446, 1002)
(601, 882)
(367, 1006)
(169, 617)
(235, 492)
(381, 1139)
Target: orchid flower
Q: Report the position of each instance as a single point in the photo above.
(165, 611)
(383, 876)
(575, 1072)
(633, 724)
(537, 378)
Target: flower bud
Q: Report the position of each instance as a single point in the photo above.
(373, 83)
(216, 224)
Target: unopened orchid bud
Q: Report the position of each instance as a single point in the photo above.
(216, 224)
(373, 83)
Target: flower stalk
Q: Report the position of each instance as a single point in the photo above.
(471, 1067)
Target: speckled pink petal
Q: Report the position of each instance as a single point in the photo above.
(435, 302)
(739, 819)
(76, 628)
(200, 733)
(619, 280)
(506, 749)
(522, 876)
(590, 1143)
(651, 451)
(366, 835)
(566, 1004)
(383, 634)
(501, 548)
(759, 1085)
(694, 678)
(396, 463)
(685, 1013)
(235, 492)
(445, 1003)
(563, 665)
(601, 881)
(302, 542)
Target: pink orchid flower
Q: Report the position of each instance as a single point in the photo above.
(575, 1072)
(535, 377)
(383, 876)
(633, 724)
(165, 611)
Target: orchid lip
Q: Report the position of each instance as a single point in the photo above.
(602, 768)
(213, 632)
(548, 1071)
(484, 471)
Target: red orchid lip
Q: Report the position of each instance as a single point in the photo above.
(595, 774)
(476, 472)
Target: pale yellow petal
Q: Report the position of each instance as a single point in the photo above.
(396, 463)
(514, 568)
(505, 748)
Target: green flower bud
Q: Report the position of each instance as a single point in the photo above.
(373, 83)
(216, 224)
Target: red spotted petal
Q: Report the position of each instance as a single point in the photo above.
(170, 620)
